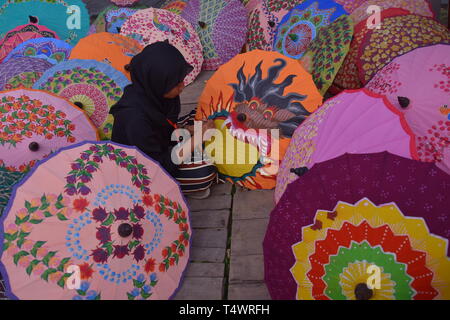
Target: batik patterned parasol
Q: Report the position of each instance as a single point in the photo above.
(221, 26)
(341, 126)
(105, 208)
(34, 124)
(176, 6)
(18, 35)
(7, 181)
(152, 25)
(347, 76)
(251, 99)
(419, 7)
(300, 26)
(263, 19)
(327, 52)
(356, 210)
(425, 104)
(397, 35)
(69, 18)
(50, 49)
(22, 72)
(113, 49)
(112, 18)
(93, 86)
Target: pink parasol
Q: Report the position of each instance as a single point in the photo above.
(153, 25)
(34, 123)
(424, 103)
(108, 211)
(357, 121)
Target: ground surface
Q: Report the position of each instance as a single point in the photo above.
(228, 230)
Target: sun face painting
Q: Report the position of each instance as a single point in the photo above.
(256, 100)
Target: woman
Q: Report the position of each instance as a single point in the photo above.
(148, 112)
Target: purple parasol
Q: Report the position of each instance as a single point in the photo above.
(22, 72)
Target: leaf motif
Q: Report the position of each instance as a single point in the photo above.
(36, 246)
(109, 221)
(62, 264)
(47, 273)
(47, 258)
(61, 216)
(138, 284)
(19, 255)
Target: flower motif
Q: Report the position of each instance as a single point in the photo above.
(99, 214)
(150, 265)
(100, 255)
(80, 204)
(121, 251)
(121, 214)
(103, 234)
(86, 271)
(139, 253)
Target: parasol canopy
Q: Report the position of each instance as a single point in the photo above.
(256, 100)
(22, 72)
(7, 181)
(341, 125)
(152, 25)
(34, 124)
(356, 211)
(50, 49)
(221, 26)
(108, 211)
(68, 18)
(326, 53)
(175, 6)
(113, 49)
(112, 18)
(91, 85)
(300, 26)
(424, 103)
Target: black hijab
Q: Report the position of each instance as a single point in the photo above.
(141, 115)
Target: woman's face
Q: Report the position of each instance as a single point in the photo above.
(175, 92)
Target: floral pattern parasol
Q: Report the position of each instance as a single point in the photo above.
(93, 86)
(113, 213)
(112, 18)
(384, 195)
(425, 106)
(327, 52)
(175, 6)
(50, 49)
(300, 26)
(22, 72)
(7, 181)
(152, 25)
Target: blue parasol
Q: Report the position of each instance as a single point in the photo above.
(50, 49)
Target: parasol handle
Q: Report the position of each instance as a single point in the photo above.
(33, 146)
(271, 23)
(299, 171)
(202, 24)
(119, 29)
(362, 292)
(127, 67)
(241, 117)
(79, 104)
(33, 19)
(404, 102)
(125, 230)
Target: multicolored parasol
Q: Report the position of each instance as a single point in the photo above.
(68, 18)
(347, 76)
(50, 49)
(20, 34)
(256, 100)
(113, 49)
(175, 6)
(221, 26)
(300, 26)
(396, 36)
(341, 125)
(7, 181)
(326, 53)
(112, 18)
(419, 7)
(424, 103)
(91, 85)
(153, 25)
(33, 124)
(108, 211)
(356, 211)
(22, 72)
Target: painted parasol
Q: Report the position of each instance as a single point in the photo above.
(34, 124)
(341, 125)
(50, 49)
(425, 104)
(256, 100)
(107, 209)
(175, 6)
(22, 72)
(7, 181)
(20, 34)
(91, 85)
(263, 19)
(350, 5)
(326, 53)
(153, 25)
(68, 18)
(113, 49)
(221, 26)
(300, 26)
(419, 7)
(112, 18)
(355, 211)
(396, 36)
(347, 76)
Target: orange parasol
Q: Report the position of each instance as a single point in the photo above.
(113, 49)
(263, 91)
